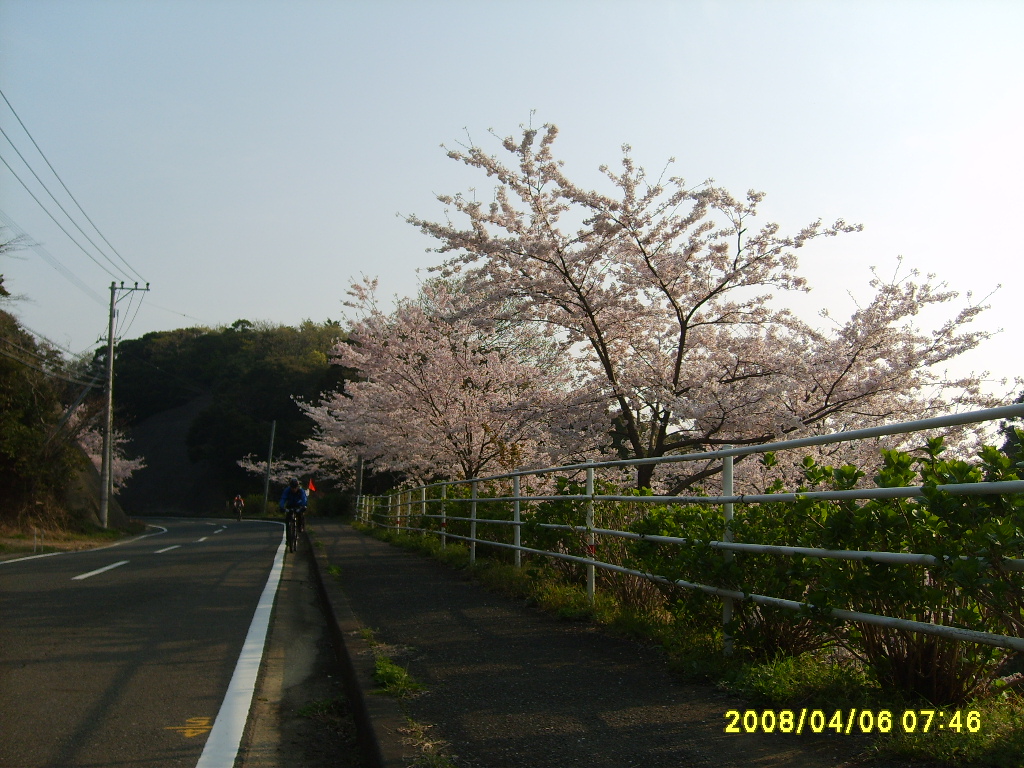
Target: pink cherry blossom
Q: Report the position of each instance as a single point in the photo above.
(664, 301)
(447, 390)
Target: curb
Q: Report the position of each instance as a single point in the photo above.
(378, 718)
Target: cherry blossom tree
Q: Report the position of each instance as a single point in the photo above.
(447, 393)
(665, 294)
(283, 471)
(121, 467)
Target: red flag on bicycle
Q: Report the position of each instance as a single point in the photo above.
(311, 487)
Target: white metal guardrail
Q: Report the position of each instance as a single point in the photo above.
(396, 511)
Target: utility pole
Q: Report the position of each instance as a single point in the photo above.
(106, 473)
(270, 460)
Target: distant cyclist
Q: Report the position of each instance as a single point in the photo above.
(294, 498)
(238, 504)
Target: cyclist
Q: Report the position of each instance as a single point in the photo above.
(238, 504)
(294, 497)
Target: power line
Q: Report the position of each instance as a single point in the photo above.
(51, 260)
(176, 312)
(55, 345)
(132, 321)
(62, 229)
(65, 186)
(41, 358)
(45, 372)
(55, 200)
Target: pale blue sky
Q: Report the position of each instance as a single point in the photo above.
(249, 157)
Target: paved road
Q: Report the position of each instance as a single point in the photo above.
(122, 656)
(508, 687)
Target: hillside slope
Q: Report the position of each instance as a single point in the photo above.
(83, 499)
(170, 483)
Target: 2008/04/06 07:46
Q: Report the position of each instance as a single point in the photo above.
(852, 721)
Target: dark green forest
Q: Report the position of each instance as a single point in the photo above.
(38, 454)
(238, 380)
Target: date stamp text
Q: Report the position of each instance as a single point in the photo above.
(851, 721)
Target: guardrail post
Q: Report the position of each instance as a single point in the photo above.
(591, 539)
(444, 519)
(423, 509)
(472, 527)
(727, 509)
(517, 539)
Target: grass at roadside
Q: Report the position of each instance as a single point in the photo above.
(829, 679)
(14, 542)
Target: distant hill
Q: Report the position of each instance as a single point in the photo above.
(171, 483)
(196, 400)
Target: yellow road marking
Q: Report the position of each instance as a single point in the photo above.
(194, 726)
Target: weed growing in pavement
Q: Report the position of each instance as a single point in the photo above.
(394, 679)
(324, 710)
(433, 752)
(368, 636)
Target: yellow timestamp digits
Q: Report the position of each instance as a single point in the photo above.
(851, 721)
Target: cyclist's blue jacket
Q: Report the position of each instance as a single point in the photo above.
(290, 498)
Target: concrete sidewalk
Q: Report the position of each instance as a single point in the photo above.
(508, 686)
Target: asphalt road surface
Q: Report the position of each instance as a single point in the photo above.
(123, 656)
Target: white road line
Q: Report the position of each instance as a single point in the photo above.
(222, 746)
(95, 549)
(166, 549)
(99, 570)
(202, 539)
(218, 530)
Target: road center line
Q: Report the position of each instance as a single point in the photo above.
(202, 539)
(167, 549)
(98, 571)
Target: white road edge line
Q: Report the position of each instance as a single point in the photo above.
(95, 549)
(166, 549)
(222, 745)
(99, 570)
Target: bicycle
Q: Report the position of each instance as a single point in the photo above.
(293, 521)
(291, 534)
